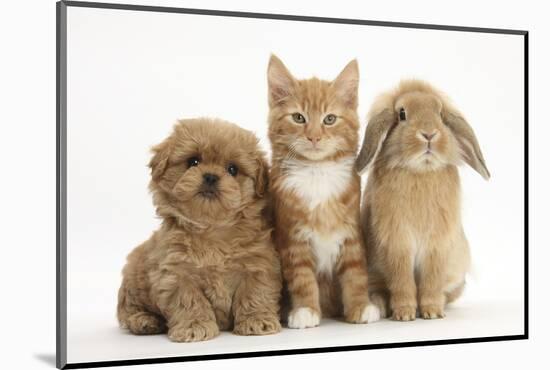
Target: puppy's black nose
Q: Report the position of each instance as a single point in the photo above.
(210, 179)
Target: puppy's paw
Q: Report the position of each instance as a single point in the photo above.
(258, 325)
(193, 331)
(303, 317)
(432, 312)
(143, 323)
(404, 313)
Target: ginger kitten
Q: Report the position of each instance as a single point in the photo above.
(313, 129)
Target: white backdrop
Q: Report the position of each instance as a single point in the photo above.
(27, 89)
(132, 74)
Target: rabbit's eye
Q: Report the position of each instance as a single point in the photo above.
(298, 118)
(402, 115)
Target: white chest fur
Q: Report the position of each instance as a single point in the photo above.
(326, 249)
(316, 183)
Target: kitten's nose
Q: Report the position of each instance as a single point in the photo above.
(210, 179)
(314, 139)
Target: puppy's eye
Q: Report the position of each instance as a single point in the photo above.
(329, 119)
(402, 114)
(233, 169)
(298, 118)
(193, 161)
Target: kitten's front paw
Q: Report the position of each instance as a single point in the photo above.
(193, 331)
(303, 317)
(381, 302)
(363, 314)
(370, 314)
(432, 312)
(404, 313)
(258, 325)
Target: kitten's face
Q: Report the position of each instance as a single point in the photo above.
(312, 119)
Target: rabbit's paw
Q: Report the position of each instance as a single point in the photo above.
(404, 313)
(432, 312)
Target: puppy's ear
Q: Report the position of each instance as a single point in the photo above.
(471, 152)
(347, 84)
(280, 82)
(159, 162)
(375, 134)
(261, 177)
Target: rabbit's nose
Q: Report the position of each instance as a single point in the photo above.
(429, 136)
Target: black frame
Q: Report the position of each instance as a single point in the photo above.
(61, 184)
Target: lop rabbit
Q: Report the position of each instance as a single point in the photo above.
(417, 252)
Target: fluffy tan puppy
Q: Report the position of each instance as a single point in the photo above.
(418, 254)
(211, 265)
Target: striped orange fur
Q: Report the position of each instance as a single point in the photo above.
(313, 129)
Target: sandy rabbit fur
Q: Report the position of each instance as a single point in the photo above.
(417, 251)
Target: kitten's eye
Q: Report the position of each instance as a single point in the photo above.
(329, 119)
(233, 169)
(402, 115)
(298, 118)
(193, 161)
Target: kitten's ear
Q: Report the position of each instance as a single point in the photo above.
(346, 84)
(280, 82)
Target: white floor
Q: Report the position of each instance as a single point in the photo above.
(99, 339)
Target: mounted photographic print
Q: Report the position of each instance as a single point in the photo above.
(241, 184)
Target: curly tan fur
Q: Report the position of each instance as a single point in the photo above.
(417, 252)
(211, 266)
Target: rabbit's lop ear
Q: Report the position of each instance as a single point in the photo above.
(375, 134)
(467, 141)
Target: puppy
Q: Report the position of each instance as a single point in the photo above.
(211, 265)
